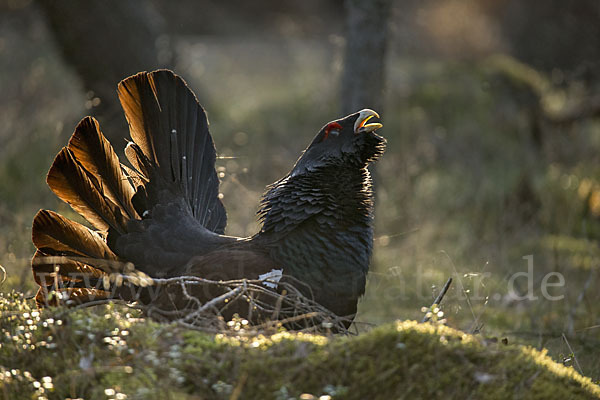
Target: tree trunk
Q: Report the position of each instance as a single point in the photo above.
(366, 40)
(106, 41)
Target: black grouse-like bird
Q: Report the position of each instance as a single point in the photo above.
(164, 214)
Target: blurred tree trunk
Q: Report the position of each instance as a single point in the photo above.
(366, 41)
(106, 41)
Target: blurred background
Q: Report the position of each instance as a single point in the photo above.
(491, 110)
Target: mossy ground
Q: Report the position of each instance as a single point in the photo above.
(109, 352)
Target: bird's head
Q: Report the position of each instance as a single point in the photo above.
(349, 140)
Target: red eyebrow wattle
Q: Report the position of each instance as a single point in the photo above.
(331, 126)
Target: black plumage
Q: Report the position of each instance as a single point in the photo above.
(164, 215)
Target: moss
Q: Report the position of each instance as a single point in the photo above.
(107, 351)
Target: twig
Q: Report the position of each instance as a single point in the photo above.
(237, 391)
(295, 309)
(221, 299)
(588, 328)
(572, 352)
(4, 274)
(438, 299)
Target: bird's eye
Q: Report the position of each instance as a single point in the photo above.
(332, 129)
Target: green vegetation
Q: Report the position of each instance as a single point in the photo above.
(109, 352)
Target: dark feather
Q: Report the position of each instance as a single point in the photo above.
(73, 184)
(97, 156)
(170, 129)
(54, 234)
(45, 265)
(135, 178)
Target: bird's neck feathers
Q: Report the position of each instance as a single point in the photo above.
(332, 197)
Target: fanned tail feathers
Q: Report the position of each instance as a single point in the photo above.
(172, 146)
(173, 158)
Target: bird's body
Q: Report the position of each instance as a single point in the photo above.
(165, 216)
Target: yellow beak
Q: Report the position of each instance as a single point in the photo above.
(361, 126)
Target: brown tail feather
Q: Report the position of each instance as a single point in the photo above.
(142, 110)
(134, 176)
(71, 259)
(97, 156)
(140, 162)
(46, 267)
(54, 234)
(59, 274)
(73, 184)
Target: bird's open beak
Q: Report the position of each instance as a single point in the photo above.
(361, 126)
